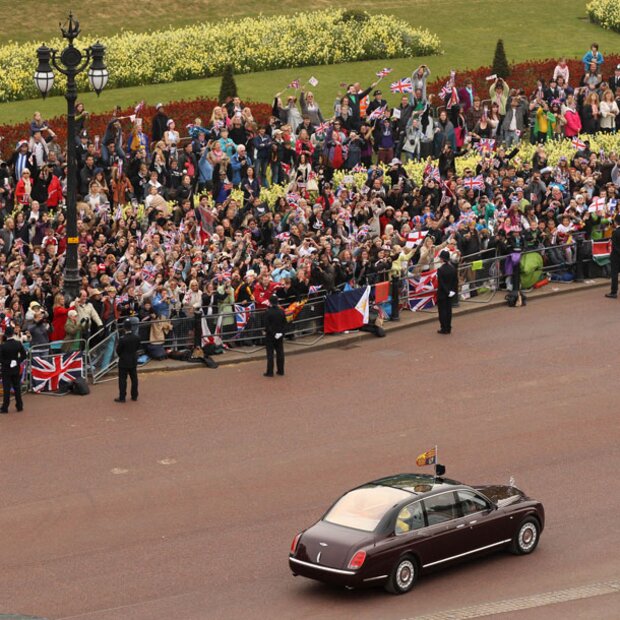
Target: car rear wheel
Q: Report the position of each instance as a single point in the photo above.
(526, 537)
(403, 576)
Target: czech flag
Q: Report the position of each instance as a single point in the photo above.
(345, 311)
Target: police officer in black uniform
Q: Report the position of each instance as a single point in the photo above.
(127, 351)
(614, 258)
(12, 354)
(275, 329)
(447, 287)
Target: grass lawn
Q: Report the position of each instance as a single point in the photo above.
(468, 30)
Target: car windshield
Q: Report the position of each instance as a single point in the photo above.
(362, 509)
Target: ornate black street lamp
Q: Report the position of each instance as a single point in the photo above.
(70, 62)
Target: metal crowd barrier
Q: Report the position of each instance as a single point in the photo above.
(101, 355)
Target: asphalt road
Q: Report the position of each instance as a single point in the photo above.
(183, 505)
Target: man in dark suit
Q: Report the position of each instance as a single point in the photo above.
(614, 80)
(275, 329)
(614, 258)
(127, 351)
(21, 160)
(447, 287)
(12, 354)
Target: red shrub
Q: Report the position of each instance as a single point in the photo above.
(522, 75)
(183, 112)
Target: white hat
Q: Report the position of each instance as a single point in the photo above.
(250, 272)
(159, 105)
(395, 161)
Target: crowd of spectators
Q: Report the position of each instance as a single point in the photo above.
(162, 233)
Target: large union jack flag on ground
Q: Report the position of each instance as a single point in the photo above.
(422, 291)
(48, 372)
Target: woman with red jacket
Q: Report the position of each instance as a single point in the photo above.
(59, 318)
(572, 127)
(23, 189)
(54, 192)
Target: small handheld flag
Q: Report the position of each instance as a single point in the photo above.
(383, 72)
(313, 82)
(294, 84)
(138, 109)
(402, 86)
(580, 145)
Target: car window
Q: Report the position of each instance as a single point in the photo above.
(441, 508)
(470, 503)
(363, 508)
(410, 518)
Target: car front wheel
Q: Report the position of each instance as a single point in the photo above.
(403, 576)
(526, 537)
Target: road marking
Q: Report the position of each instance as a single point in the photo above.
(525, 602)
(167, 461)
(117, 471)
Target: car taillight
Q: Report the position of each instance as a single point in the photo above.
(357, 560)
(295, 542)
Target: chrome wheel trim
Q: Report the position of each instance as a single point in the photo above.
(528, 535)
(405, 573)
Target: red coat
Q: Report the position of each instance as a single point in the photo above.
(54, 192)
(263, 293)
(59, 318)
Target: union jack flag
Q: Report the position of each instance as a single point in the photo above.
(242, 315)
(432, 172)
(402, 86)
(580, 145)
(377, 113)
(286, 168)
(314, 289)
(294, 84)
(138, 109)
(323, 127)
(283, 236)
(359, 168)
(486, 144)
(383, 72)
(474, 182)
(47, 373)
(423, 291)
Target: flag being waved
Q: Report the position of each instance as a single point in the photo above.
(383, 72)
(580, 145)
(427, 458)
(402, 86)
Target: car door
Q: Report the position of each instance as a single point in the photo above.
(445, 536)
(485, 524)
(405, 532)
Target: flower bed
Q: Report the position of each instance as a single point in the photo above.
(523, 74)
(251, 44)
(183, 112)
(605, 13)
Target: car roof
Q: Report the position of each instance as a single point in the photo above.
(417, 484)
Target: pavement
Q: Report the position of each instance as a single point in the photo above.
(407, 319)
(182, 506)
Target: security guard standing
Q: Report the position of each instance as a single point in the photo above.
(12, 354)
(447, 287)
(614, 258)
(127, 351)
(275, 328)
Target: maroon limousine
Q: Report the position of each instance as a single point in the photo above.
(392, 530)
